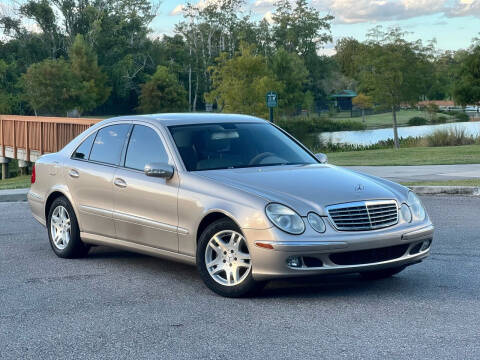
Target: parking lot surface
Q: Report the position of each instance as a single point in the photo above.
(118, 305)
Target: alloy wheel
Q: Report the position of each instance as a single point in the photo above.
(227, 258)
(60, 227)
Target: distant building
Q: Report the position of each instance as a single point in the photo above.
(442, 104)
(448, 105)
(343, 99)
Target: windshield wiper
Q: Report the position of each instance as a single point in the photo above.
(297, 163)
(264, 165)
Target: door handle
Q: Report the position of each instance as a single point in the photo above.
(74, 173)
(120, 183)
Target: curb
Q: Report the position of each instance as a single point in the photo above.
(446, 190)
(13, 195)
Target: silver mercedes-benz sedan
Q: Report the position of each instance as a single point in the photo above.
(235, 195)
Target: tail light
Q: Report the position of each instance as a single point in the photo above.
(33, 178)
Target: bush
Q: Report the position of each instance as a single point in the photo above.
(451, 137)
(461, 117)
(439, 120)
(417, 120)
(383, 144)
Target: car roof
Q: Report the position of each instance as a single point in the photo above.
(190, 118)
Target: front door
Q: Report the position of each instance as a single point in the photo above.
(145, 208)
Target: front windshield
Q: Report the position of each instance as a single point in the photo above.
(236, 145)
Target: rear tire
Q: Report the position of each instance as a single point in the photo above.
(381, 274)
(63, 230)
(229, 271)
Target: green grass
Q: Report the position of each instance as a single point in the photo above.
(18, 182)
(448, 155)
(385, 120)
(465, 182)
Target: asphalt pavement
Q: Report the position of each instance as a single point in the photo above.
(118, 305)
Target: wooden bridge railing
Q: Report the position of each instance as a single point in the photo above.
(28, 137)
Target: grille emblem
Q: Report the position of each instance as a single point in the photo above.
(359, 187)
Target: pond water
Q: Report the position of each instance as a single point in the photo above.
(369, 137)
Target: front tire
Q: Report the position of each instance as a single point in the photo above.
(223, 260)
(381, 274)
(63, 230)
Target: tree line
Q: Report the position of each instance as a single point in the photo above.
(101, 58)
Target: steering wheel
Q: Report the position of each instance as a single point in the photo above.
(256, 160)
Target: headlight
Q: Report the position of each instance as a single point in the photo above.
(416, 206)
(406, 213)
(316, 222)
(285, 218)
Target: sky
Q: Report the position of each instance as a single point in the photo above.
(453, 23)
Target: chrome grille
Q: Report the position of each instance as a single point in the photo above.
(364, 215)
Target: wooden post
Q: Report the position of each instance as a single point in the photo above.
(14, 142)
(27, 147)
(41, 138)
(55, 138)
(2, 137)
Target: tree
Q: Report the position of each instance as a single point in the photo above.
(42, 13)
(393, 71)
(290, 70)
(117, 32)
(363, 102)
(55, 86)
(300, 28)
(10, 101)
(444, 75)
(50, 87)
(162, 93)
(432, 110)
(92, 80)
(308, 102)
(348, 55)
(240, 84)
(467, 86)
(210, 28)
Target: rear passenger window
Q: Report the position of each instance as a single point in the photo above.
(83, 150)
(108, 144)
(144, 147)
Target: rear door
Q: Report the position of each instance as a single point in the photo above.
(89, 176)
(145, 208)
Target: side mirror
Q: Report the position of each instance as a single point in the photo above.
(322, 158)
(160, 170)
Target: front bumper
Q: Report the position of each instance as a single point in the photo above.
(337, 252)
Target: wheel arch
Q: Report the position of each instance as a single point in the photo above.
(211, 217)
(55, 194)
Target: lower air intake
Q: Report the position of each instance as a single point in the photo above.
(369, 256)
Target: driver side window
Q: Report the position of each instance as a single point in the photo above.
(145, 146)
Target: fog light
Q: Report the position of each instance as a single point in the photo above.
(294, 261)
(426, 245)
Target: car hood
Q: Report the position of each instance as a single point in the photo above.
(304, 187)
